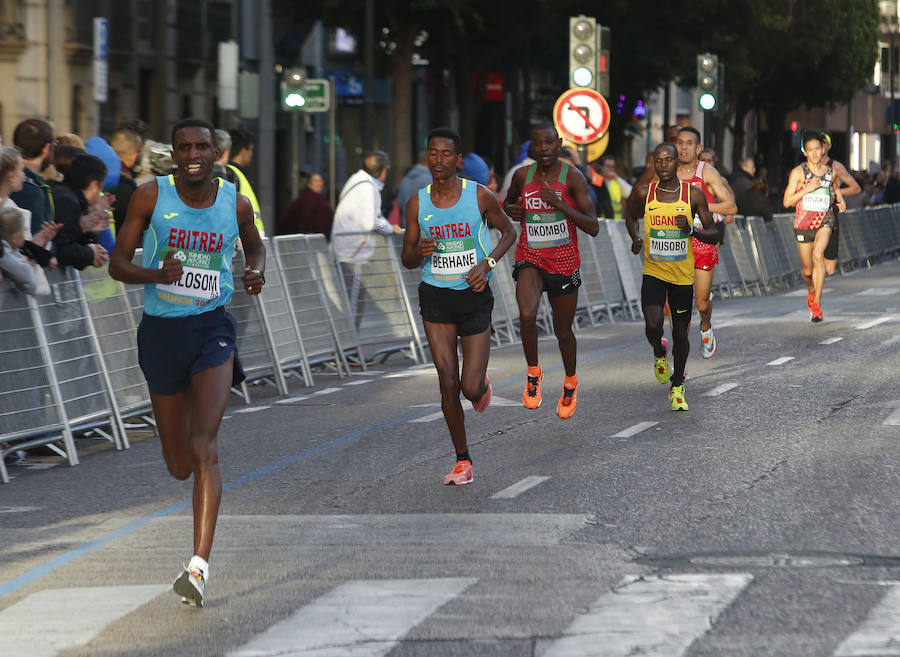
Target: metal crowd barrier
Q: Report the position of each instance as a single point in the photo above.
(68, 362)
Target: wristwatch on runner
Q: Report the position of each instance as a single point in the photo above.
(262, 277)
(491, 262)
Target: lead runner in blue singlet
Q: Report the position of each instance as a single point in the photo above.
(452, 235)
(188, 224)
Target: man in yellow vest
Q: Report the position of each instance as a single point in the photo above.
(617, 187)
(242, 144)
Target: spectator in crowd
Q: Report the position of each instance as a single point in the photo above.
(892, 187)
(475, 168)
(128, 146)
(100, 147)
(12, 177)
(415, 179)
(857, 200)
(709, 156)
(754, 201)
(50, 172)
(741, 179)
(13, 263)
(72, 198)
(359, 212)
(241, 153)
(35, 141)
(617, 188)
(310, 212)
(220, 167)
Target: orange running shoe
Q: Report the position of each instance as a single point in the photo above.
(810, 299)
(462, 474)
(569, 399)
(816, 312)
(531, 397)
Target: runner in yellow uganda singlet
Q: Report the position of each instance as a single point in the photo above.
(668, 255)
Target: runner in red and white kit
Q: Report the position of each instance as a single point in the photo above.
(720, 199)
(815, 191)
(550, 199)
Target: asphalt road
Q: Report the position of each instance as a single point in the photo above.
(762, 522)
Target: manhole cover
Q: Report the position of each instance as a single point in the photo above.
(769, 560)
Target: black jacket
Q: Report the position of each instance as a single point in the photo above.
(71, 241)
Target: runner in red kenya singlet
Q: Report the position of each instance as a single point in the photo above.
(550, 200)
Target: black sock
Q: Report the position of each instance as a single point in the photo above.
(464, 456)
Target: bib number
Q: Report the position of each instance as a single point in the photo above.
(668, 245)
(200, 274)
(817, 201)
(546, 229)
(452, 259)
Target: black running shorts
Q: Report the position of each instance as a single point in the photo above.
(655, 292)
(173, 349)
(469, 310)
(555, 285)
(831, 251)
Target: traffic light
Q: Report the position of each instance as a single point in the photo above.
(582, 52)
(795, 136)
(604, 39)
(293, 96)
(708, 81)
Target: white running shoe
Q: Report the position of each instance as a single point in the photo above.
(708, 343)
(190, 585)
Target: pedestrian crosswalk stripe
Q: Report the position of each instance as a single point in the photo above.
(781, 361)
(653, 617)
(831, 340)
(879, 634)
(718, 390)
(58, 620)
(356, 619)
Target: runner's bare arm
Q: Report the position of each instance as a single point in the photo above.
(411, 255)
(708, 234)
(491, 210)
(585, 216)
(633, 209)
(137, 218)
(254, 249)
(513, 203)
(722, 191)
(848, 184)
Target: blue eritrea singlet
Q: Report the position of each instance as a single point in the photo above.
(462, 238)
(203, 240)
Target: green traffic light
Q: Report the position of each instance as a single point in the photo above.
(707, 102)
(294, 100)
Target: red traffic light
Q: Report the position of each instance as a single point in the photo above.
(794, 126)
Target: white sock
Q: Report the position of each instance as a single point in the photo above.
(199, 563)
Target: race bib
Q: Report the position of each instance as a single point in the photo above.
(200, 274)
(546, 229)
(452, 259)
(668, 245)
(817, 201)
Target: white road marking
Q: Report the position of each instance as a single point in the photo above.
(879, 634)
(878, 292)
(59, 620)
(874, 322)
(253, 409)
(831, 340)
(356, 619)
(291, 400)
(325, 391)
(718, 390)
(407, 374)
(653, 617)
(635, 429)
(802, 292)
(19, 509)
(369, 373)
(893, 420)
(358, 383)
(890, 341)
(780, 361)
(467, 406)
(518, 488)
